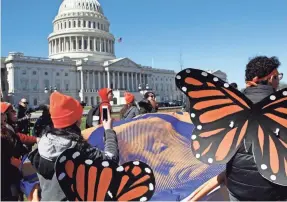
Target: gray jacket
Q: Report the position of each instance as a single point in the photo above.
(51, 146)
(132, 112)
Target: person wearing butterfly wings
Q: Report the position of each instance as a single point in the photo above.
(66, 114)
(247, 131)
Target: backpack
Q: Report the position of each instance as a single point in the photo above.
(93, 117)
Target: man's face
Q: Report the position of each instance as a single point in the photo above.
(151, 97)
(275, 80)
(24, 104)
(110, 96)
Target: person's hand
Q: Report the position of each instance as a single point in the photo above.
(107, 124)
(38, 139)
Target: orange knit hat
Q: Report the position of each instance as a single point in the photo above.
(5, 106)
(64, 110)
(129, 97)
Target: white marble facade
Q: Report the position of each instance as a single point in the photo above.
(81, 61)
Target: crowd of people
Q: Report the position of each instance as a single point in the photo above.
(58, 128)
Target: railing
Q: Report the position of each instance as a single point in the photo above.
(116, 112)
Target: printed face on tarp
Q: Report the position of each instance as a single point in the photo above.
(161, 140)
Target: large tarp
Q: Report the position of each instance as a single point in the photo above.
(162, 140)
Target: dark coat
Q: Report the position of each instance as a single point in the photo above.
(243, 178)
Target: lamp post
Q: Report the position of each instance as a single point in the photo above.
(49, 91)
(143, 89)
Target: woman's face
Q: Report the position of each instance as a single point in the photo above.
(12, 114)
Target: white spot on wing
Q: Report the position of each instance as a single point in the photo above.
(120, 168)
(178, 77)
(215, 79)
(193, 137)
(143, 199)
(76, 154)
(277, 131)
(184, 89)
(199, 127)
(192, 115)
(273, 177)
(110, 194)
(61, 176)
(62, 159)
(151, 187)
(147, 170)
(88, 162)
(105, 164)
(226, 85)
(272, 97)
(136, 163)
(263, 167)
(231, 125)
(284, 93)
(197, 156)
(210, 160)
(203, 73)
(188, 71)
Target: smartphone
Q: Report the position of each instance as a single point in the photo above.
(105, 112)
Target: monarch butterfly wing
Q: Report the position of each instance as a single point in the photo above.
(83, 179)
(220, 114)
(137, 182)
(270, 143)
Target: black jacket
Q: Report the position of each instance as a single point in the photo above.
(11, 146)
(23, 120)
(243, 178)
(146, 107)
(51, 146)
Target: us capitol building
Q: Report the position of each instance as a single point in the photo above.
(81, 60)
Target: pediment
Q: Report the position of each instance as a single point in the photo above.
(121, 62)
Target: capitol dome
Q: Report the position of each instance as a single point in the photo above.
(80, 5)
(80, 30)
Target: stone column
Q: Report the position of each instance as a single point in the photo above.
(95, 45)
(82, 81)
(128, 82)
(77, 44)
(123, 79)
(83, 48)
(108, 77)
(100, 44)
(89, 45)
(88, 79)
(94, 80)
(104, 77)
(119, 81)
(65, 45)
(133, 87)
(141, 78)
(115, 86)
(71, 44)
(137, 82)
(99, 80)
(49, 48)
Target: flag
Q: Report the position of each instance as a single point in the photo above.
(120, 39)
(162, 140)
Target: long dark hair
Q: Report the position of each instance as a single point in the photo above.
(125, 108)
(72, 132)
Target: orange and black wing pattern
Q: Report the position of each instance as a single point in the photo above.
(269, 137)
(219, 112)
(83, 179)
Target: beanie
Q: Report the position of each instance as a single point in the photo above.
(64, 110)
(129, 97)
(5, 106)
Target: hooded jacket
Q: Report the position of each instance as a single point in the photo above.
(51, 146)
(244, 181)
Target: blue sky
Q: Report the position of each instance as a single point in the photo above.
(221, 34)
